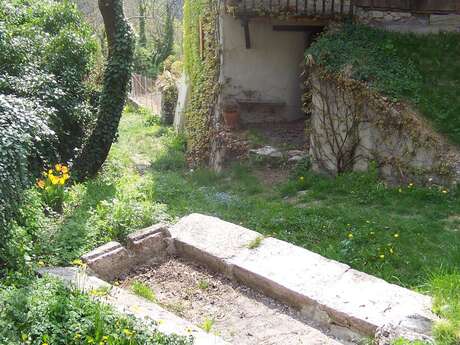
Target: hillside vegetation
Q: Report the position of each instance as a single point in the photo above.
(421, 69)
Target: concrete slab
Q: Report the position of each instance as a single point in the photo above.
(346, 301)
(125, 302)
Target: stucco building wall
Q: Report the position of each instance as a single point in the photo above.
(264, 80)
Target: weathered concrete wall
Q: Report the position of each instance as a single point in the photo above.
(264, 79)
(409, 22)
(352, 126)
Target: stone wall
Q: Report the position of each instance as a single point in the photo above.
(409, 22)
(351, 127)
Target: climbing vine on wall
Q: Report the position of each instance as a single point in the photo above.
(201, 52)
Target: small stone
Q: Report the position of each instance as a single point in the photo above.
(267, 151)
(296, 159)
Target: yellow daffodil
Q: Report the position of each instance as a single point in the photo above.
(54, 179)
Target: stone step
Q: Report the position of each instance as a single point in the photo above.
(348, 303)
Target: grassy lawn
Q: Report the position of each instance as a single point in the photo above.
(408, 235)
(421, 69)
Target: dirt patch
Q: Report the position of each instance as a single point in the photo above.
(237, 313)
(287, 135)
(271, 176)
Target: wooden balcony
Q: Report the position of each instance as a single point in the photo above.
(299, 8)
(336, 8)
(415, 6)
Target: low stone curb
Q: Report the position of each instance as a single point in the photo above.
(127, 303)
(346, 303)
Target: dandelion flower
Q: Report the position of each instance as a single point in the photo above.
(127, 332)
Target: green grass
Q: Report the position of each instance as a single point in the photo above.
(408, 235)
(421, 69)
(143, 290)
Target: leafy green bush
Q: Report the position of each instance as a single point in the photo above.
(421, 69)
(46, 312)
(46, 53)
(53, 51)
(24, 140)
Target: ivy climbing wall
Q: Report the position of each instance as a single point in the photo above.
(202, 64)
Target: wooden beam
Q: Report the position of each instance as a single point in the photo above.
(247, 34)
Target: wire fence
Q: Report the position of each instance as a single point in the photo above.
(145, 93)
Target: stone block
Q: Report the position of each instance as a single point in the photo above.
(347, 302)
(449, 19)
(109, 261)
(148, 245)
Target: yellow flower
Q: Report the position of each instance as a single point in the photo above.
(445, 191)
(382, 256)
(372, 233)
(65, 176)
(391, 250)
(58, 167)
(128, 333)
(54, 179)
(62, 181)
(350, 235)
(411, 185)
(41, 184)
(77, 262)
(396, 235)
(65, 170)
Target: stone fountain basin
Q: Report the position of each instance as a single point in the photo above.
(335, 303)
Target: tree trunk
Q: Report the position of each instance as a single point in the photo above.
(117, 76)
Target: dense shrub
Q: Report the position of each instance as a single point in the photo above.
(24, 141)
(46, 312)
(46, 54)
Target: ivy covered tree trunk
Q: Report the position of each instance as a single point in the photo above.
(117, 76)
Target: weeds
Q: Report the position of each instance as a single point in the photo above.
(143, 290)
